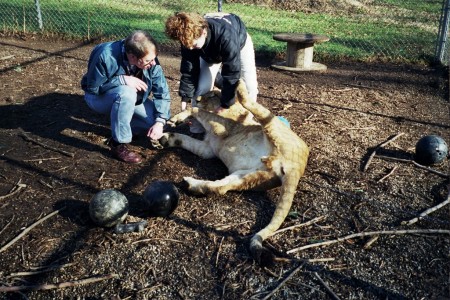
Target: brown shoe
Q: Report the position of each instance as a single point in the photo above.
(121, 152)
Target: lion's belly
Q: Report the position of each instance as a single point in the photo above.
(242, 152)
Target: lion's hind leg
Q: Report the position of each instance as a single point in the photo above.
(237, 181)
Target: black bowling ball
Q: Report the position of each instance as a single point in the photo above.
(431, 149)
(161, 198)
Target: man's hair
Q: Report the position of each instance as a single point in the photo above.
(140, 43)
(185, 27)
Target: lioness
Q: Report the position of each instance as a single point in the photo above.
(259, 155)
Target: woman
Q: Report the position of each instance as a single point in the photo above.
(209, 44)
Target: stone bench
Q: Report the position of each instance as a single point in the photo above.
(300, 48)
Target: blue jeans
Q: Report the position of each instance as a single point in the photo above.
(126, 117)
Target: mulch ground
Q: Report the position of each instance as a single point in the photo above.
(53, 158)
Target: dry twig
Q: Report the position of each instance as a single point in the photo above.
(17, 187)
(378, 147)
(157, 239)
(284, 281)
(28, 138)
(26, 230)
(371, 241)
(430, 210)
(6, 57)
(330, 292)
(388, 174)
(57, 285)
(416, 164)
(101, 176)
(363, 234)
(6, 226)
(313, 260)
(315, 220)
(218, 251)
(43, 270)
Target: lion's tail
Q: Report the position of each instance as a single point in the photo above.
(288, 188)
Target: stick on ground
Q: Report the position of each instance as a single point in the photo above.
(430, 210)
(415, 164)
(26, 230)
(329, 290)
(15, 189)
(362, 234)
(28, 138)
(57, 285)
(284, 281)
(315, 220)
(366, 166)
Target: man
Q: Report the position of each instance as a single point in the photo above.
(216, 41)
(121, 76)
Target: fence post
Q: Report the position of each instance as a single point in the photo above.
(39, 14)
(443, 31)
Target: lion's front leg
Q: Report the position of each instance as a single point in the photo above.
(198, 147)
(180, 117)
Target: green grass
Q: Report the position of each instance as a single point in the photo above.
(391, 29)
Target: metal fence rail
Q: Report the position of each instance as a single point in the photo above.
(369, 29)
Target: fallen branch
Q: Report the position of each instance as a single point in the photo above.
(57, 285)
(364, 86)
(284, 281)
(218, 251)
(388, 174)
(157, 239)
(378, 147)
(26, 230)
(43, 270)
(41, 159)
(28, 138)
(6, 226)
(315, 220)
(414, 163)
(330, 292)
(430, 210)
(14, 190)
(363, 234)
(101, 176)
(371, 241)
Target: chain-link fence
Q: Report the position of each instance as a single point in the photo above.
(408, 30)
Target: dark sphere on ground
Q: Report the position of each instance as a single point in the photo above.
(108, 208)
(431, 149)
(161, 198)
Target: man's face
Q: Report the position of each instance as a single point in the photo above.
(146, 62)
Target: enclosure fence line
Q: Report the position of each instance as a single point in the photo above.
(388, 29)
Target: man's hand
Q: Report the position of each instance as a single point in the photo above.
(156, 131)
(135, 83)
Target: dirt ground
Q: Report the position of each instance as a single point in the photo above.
(54, 159)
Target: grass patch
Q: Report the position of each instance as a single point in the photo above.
(385, 28)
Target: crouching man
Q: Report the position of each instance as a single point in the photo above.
(120, 77)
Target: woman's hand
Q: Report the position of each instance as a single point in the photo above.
(219, 109)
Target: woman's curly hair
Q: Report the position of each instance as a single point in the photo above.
(185, 27)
